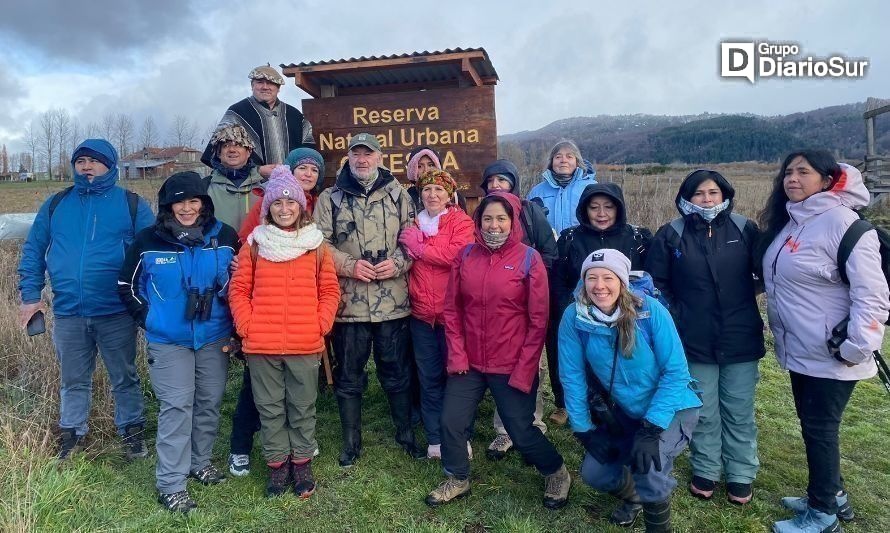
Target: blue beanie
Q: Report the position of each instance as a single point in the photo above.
(99, 149)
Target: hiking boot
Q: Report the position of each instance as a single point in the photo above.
(702, 488)
(799, 505)
(279, 478)
(657, 516)
(556, 488)
(739, 493)
(810, 521)
(450, 489)
(499, 447)
(69, 443)
(304, 481)
(239, 464)
(134, 442)
(177, 502)
(559, 416)
(434, 451)
(209, 475)
(626, 514)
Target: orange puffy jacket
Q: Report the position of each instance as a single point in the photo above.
(284, 308)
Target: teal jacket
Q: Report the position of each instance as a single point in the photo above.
(653, 384)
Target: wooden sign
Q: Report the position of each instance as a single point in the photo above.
(458, 123)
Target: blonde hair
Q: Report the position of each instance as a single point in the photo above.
(629, 303)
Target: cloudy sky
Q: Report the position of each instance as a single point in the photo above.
(555, 59)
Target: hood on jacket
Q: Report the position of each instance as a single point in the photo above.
(695, 178)
(182, 186)
(848, 190)
(501, 166)
(98, 149)
(613, 191)
(414, 161)
(516, 232)
(586, 169)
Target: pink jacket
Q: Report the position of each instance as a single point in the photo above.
(805, 295)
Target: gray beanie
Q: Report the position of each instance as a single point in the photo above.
(610, 259)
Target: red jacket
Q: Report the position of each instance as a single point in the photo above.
(496, 313)
(428, 277)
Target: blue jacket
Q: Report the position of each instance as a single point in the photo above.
(82, 247)
(157, 274)
(561, 202)
(653, 384)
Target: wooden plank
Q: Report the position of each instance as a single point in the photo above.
(459, 123)
(470, 71)
(369, 64)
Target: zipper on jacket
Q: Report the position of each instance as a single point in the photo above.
(778, 315)
(83, 250)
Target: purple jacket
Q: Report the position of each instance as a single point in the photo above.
(805, 295)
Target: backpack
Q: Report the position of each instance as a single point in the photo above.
(132, 203)
(679, 224)
(641, 282)
(848, 242)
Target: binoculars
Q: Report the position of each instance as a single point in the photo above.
(199, 305)
(368, 256)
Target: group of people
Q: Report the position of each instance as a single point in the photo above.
(652, 342)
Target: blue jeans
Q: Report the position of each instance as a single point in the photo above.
(78, 340)
(430, 352)
(656, 485)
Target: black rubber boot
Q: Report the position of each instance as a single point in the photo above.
(630, 508)
(400, 408)
(351, 423)
(658, 517)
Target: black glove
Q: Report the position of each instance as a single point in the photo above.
(644, 452)
(597, 443)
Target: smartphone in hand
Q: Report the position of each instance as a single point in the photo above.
(37, 324)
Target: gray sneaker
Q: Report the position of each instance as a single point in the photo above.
(799, 505)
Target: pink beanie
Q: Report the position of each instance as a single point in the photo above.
(281, 184)
(415, 161)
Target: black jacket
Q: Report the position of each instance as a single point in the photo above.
(707, 276)
(577, 242)
(538, 232)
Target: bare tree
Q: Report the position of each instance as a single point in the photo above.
(148, 136)
(75, 138)
(123, 129)
(32, 142)
(93, 130)
(183, 132)
(4, 160)
(15, 163)
(27, 162)
(63, 133)
(48, 139)
(106, 129)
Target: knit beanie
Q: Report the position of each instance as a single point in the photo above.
(414, 161)
(299, 156)
(609, 259)
(281, 184)
(437, 177)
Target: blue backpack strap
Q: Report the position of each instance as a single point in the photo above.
(678, 225)
(527, 262)
(466, 251)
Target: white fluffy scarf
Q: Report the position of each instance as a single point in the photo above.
(278, 245)
(429, 225)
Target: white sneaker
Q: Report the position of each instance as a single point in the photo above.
(434, 451)
(239, 464)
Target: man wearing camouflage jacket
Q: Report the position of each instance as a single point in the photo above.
(361, 216)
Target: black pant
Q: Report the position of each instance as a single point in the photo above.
(820, 404)
(462, 396)
(352, 349)
(552, 344)
(245, 419)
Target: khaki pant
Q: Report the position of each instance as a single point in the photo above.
(285, 388)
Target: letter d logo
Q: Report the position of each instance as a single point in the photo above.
(737, 60)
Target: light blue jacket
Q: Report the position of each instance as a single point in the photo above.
(561, 202)
(653, 384)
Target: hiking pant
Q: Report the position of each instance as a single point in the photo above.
(353, 343)
(430, 352)
(725, 438)
(285, 388)
(820, 404)
(656, 485)
(463, 393)
(189, 385)
(77, 341)
(538, 414)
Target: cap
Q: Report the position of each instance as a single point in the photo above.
(365, 139)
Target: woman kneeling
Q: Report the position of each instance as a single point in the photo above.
(627, 389)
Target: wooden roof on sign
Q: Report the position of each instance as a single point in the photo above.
(457, 67)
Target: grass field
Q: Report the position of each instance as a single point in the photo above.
(98, 491)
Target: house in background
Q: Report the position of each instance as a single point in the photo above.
(159, 163)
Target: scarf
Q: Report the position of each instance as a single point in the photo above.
(235, 175)
(591, 314)
(494, 240)
(688, 208)
(428, 224)
(188, 235)
(562, 180)
(280, 245)
(368, 182)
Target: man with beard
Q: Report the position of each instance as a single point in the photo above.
(361, 217)
(274, 128)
